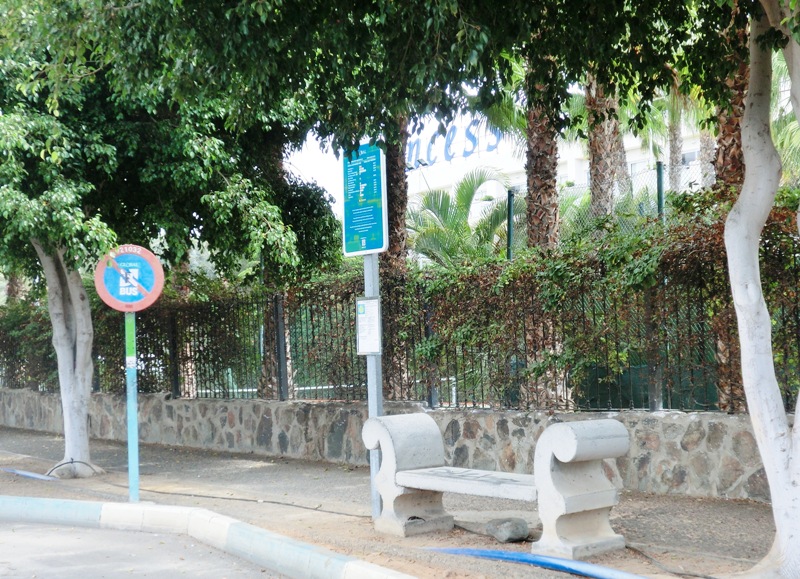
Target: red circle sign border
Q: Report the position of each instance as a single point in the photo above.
(149, 299)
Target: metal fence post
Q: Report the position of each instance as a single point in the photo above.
(280, 348)
(510, 225)
(660, 188)
(174, 361)
(430, 374)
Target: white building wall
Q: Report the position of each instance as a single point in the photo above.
(438, 161)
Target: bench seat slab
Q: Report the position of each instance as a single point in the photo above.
(470, 481)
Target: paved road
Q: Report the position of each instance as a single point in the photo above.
(60, 552)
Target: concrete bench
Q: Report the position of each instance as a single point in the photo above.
(574, 495)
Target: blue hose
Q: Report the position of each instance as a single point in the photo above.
(552, 563)
(29, 474)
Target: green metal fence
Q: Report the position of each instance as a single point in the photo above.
(601, 352)
(672, 345)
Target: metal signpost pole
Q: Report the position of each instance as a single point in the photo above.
(366, 233)
(374, 379)
(133, 406)
(130, 279)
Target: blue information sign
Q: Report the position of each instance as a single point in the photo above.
(366, 228)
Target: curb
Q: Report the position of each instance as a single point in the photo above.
(273, 551)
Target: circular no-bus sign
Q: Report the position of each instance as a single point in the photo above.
(129, 279)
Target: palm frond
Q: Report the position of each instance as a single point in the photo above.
(466, 189)
(439, 227)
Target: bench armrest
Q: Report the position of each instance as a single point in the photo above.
(406, 441)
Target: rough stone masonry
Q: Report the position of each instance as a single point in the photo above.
(699, 454)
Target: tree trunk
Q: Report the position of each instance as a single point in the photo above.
(675, 150)
(777, 443)
(541, 168)
(621, 170)
(71, 317)
(393, 260)
(268, 386)
(393, 269)
(603, 134)
(15, 288)
(707, 154)
(729, 165)
(730, 391)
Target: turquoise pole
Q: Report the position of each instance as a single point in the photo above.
(132, 404)
(660, 188)
(510, 225)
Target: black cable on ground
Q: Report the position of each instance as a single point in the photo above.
(72, 461)
(244, 500)
(668, 569)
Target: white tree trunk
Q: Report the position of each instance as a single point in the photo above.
(623, 174)
(676, 149)
(776, 441)
(71, 318)
(708, 151)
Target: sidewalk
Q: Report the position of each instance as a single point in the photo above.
(324, 510)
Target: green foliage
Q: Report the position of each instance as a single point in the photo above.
(788, 198)
(716, 49)
(785, 125)
(321, 321)
(247, 204)
(305, 209)
(43, 180)
(106, 169)
(577, 314)
(441, 230)
(704, 205)
(27, 359)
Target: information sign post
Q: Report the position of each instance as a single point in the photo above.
(130, 279)
(366, 232)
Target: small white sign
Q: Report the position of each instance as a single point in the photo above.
(368, 326)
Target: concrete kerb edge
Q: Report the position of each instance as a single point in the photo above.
(276, 552)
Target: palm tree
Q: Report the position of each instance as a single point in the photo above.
(682, 110)
(604, 133)
(445, 229)
(541, 168)
(785, 128)
(729, 163)
(535, 131)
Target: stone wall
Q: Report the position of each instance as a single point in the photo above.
(699, 454)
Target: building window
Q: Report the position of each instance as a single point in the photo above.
(689, 157)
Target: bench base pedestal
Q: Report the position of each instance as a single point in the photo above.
(578, 551)
(576, 535)
(412, 527)
(412, 512)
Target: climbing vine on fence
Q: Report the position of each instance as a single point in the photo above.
(609, 319)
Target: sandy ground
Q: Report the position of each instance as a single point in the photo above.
(329, 505)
